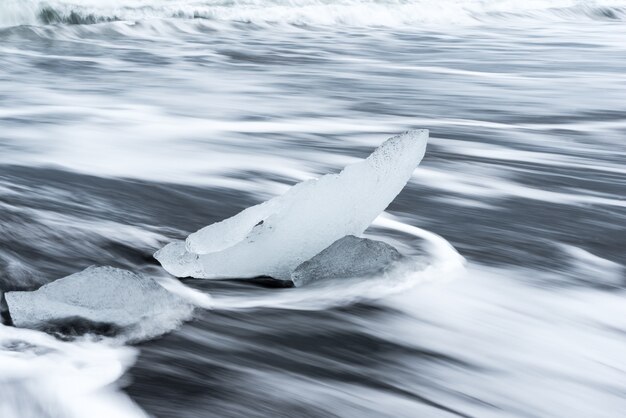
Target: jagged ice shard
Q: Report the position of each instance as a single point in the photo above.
(274, 237)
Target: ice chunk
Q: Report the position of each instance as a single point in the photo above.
(346, 258)
(102, 296)
(273, 238)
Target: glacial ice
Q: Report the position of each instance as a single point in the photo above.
(348, 257)
(101, 296)
(274, 237)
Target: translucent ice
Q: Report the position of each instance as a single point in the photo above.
(274, 237)
(348, 257)
(100, 296)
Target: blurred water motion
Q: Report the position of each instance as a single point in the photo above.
(119, 136)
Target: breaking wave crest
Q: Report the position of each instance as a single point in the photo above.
(309, 12)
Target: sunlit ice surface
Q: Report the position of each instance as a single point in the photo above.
(125, 125)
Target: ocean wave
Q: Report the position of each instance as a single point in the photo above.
(388, 13)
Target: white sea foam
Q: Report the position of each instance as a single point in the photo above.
(593, 269)
(43, 377)
(560, 350)
(309, 12)
(476, 181)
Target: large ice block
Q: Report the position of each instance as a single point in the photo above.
(274, 237)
